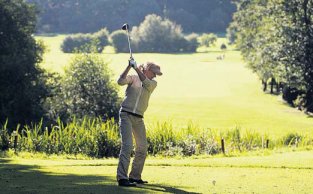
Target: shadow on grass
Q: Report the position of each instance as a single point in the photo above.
(17, 178)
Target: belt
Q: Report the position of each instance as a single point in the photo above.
(131, 113)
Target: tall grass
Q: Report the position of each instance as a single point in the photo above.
(95, 138)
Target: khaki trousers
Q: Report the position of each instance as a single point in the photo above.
(130, 124)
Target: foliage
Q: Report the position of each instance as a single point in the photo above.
(275, 38)
(23, 85)
(78, 137)
(223, 46)
(86, 90)
(4, 137)
(207, 40)
(155, 34)
(102, 36)
(119, 41)
(79, 16)
(86, 43)
(95, 138)
(77, 43)
(192, 42)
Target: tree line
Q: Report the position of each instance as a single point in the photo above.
(81, 16)
(275, 38)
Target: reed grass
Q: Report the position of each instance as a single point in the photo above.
(96, 138)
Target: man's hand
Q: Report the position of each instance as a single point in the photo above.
(132, 63)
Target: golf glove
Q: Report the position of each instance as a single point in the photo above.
(132, 63)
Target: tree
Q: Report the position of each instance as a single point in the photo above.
(86, 90)
(81, 16)
(23, 85)
(119, 41)
(276, 39)
(207, 40)
(297, 38)
(155, 34)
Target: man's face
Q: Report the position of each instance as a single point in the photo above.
(150, 74)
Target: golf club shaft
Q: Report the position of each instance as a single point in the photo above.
(130, 50)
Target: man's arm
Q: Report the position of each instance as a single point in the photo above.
(133, 64)
(142, 76)
(146, 83)
(125, 72)
(123, 77)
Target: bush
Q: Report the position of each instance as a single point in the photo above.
(290, 94)
(292, 139)
(207, 40)
(87, 90)
(158, 35)
(95, 138)
(223, 46)
(4, 137)
(119, 41)
(86, 43)
(102, 39)
(77, 43)
(87, 136)
(192, 42)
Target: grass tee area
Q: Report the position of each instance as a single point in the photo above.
(279, 172)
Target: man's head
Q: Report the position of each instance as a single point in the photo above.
(151, 70)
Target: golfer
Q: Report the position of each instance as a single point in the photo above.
(135, 103)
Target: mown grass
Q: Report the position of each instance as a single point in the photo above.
(287, 172)
(198, 88)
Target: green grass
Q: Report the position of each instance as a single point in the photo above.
(200, 89)
(286, 172)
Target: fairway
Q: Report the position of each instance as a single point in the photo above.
(277, 173)
(197, 88)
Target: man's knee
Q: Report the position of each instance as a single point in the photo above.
(126, 149)
(142, 149)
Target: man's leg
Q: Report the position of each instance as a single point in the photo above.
(126, 147)
(139, 131)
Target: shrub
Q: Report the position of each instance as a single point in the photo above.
(119, 41)
(192, 42)
(102, 39)
(292, 139)
(86, 43)
(159, 35)
(4, 137)
(223, 46)
(207, 40)
(77, 43)
(160, 138)
(88, 136)
(87, 89)
(290, 94)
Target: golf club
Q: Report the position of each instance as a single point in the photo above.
(126, 27)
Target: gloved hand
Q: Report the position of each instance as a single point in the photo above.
(132, 63)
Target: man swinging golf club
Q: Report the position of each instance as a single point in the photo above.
(135, 103)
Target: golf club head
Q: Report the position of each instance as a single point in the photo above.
(125, 26)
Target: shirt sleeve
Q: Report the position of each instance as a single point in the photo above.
(123, 81)
(150, 85)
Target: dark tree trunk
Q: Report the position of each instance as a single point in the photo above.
(308, 61)
(264, 85)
